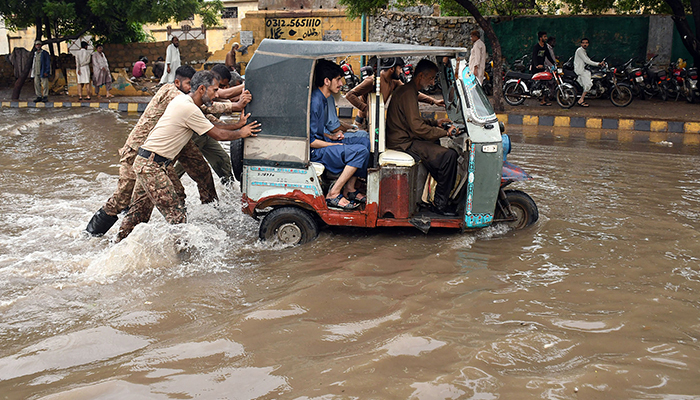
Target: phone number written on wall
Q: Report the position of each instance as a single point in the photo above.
(293, 28)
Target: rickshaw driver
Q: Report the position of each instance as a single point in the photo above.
(407, 131)
(348, 157)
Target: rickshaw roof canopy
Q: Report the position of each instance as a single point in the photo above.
(327, 49)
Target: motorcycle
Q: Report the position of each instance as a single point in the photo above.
(351, 80)
(691, 83)
(366, 72)
(522, 64)
(655, 80)
(605, 84)
(676, 86)
(634, 77)
(520, 86)
(407, 73)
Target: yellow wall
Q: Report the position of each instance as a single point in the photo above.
(330, 20)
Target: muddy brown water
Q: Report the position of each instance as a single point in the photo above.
(597, 300)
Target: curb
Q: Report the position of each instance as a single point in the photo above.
(625, 124)
(125, 107)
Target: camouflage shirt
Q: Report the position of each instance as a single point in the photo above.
(155, 109)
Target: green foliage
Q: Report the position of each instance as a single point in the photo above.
(115, 21)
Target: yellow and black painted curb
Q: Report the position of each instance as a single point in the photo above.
(118, 106)
(623, 124)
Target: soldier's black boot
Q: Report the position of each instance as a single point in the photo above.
(100, 223)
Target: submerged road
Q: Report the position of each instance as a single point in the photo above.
(599, 299)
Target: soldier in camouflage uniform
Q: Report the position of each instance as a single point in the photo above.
(190, 157)
(155, 184)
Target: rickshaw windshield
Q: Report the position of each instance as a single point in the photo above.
(479, 105)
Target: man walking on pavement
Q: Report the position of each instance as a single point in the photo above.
(190, 156)
(584, 76)
(477, 57)
(41, 69)
(154, 184)
(172, 61)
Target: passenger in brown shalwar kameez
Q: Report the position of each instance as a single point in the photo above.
(408, 131)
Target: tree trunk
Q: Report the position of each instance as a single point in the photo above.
(496, 56)
(17, 89)
(54, 59)
(690, 40)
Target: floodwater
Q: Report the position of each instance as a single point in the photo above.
(597, 300)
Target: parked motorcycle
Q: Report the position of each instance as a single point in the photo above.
(634, 77)
(605, 84)
(522, 64)
(655, 80)
(366, 72)
(351, 80)
(676, 85)
(520, 86)
(691, 83)
(406, 73)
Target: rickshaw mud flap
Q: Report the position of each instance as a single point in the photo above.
(316, 205)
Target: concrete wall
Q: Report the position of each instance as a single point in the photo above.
(125, 55)
(401, 27)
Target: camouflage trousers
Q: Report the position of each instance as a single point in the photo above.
(216, 156)
(193, 163)
(156, 185)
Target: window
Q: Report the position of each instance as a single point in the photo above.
(229, 12)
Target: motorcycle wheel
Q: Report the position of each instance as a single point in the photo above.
(513, 93)
(689, 93)
(488, 87)
(621, 96)
(663, 92)
(566, 97)
(524, 209)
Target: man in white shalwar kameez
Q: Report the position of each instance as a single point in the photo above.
(584, 76)
(477, 57)
(82, 69)
(172, 61)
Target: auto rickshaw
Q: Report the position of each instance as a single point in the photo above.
(283, 188)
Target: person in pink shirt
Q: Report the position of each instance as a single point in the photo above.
(139, 68)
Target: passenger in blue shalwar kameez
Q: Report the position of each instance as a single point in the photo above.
(349, 156)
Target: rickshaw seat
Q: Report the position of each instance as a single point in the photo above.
(319, 168)
(397, 158)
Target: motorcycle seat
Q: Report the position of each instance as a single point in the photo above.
(397, 158)
(518, 75)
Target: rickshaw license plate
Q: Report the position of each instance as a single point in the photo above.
(489, 148)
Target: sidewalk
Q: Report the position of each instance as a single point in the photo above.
(642, 115)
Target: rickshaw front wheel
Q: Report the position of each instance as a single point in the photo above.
(523, 207)
(288, 225)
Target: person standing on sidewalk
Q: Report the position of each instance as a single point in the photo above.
(82, 69)
(584, 76)
(172, 61)
(154, 183)
(41, 69)
(540, 53)
(100, 72)
(477, 57)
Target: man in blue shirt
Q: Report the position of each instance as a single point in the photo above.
(349, 156)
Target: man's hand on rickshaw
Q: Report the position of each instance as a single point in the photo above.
(250, 130)
(452, 131)
(245, 98)
(243, 119)
(440, 102)
(444, 122)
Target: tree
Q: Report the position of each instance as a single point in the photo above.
(114, 21)
(370, 7)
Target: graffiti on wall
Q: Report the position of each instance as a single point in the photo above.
(293, 28)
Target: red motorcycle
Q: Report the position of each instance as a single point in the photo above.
(351, 80)
(520, 86)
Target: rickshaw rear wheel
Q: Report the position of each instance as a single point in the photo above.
(237, 158)
(288, 225)
(524, 209)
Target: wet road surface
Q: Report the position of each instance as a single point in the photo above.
(599, 299)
